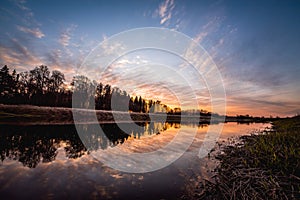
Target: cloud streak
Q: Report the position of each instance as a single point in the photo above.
(21, 5)
(19, 57)
(165, 11)
(36, 32)
(65, 36)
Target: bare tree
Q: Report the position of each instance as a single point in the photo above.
(56, 80)
(39, 78)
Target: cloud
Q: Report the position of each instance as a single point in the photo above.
(139, 77)
(36, 32)
(240, 105)
(26, 15)
(59, 59)
(112, 48)
(18, 56)
(64, 39)
(201, 36)
(23, 51)
(65, 36)
(20, 4)
(211, 26)
(165, 11)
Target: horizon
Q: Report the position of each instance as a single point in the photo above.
(255, 49)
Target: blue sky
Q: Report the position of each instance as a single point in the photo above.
(255, 44)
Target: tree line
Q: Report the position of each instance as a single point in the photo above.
(42, 87)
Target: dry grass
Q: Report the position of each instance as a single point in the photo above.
(264, 166)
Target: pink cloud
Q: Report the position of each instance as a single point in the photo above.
(36, 32)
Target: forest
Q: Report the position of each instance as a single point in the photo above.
(41, 87)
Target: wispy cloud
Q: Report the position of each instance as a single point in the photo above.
(211, 26)
(21, 5)
(68, 56)
(165, 11)
(19, 57)
(65, 36)
(64, 39)
(201, 36)
(36, 32)
(26, 14)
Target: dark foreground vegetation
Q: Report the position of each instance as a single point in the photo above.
(263, 166)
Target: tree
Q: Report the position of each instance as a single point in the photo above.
(99, 96)
(80, 83)
(99, 90)
(140, 104)
(136, 104)
(39, 78)
(15, 80)
(37, 87)
(107, 97)
(81, 91)
(23, 83)
(145, 107)
(6, 81)
(56, 80)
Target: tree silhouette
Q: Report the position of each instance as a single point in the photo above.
(37, 87)
(6, 81)
(56, 80)
(107, 97)
(39, 78)
(81, 87)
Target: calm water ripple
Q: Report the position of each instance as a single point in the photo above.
(51, 161)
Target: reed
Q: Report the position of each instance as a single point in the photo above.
(261, 166)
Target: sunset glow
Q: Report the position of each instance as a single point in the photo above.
(254, 45)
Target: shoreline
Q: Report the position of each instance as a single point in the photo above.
(257, 166)
(38, 115)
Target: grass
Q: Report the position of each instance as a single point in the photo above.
(264, 166)
(4, 115)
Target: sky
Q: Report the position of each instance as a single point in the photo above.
(254, 45)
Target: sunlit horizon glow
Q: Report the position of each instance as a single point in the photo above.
(255, 45)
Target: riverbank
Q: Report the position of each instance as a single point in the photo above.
(263, 166)
(38, 115)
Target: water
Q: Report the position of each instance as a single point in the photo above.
(52, 162)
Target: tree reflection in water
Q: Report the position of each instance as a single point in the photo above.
(31, 145)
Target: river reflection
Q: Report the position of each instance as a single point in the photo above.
(52, 162)
(33, 144)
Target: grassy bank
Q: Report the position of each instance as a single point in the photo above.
(264, 166)
(36, 115)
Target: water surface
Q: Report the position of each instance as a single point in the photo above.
(52, 162)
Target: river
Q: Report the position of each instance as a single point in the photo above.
(55, 162)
